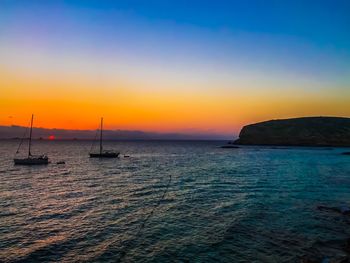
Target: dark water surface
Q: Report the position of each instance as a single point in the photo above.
(173, 202)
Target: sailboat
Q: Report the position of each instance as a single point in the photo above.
(103, 153)
(31, 159)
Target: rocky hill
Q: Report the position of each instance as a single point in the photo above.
(306, 131)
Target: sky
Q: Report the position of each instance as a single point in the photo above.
(172, 66)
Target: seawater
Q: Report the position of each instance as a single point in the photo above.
(173, 202)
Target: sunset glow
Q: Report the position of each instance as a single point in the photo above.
(77, 61)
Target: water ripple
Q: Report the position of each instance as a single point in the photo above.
(254, 204)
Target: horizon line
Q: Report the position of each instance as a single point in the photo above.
(16, 131)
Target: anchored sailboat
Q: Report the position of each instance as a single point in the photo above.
(103, 153)
(31, 159)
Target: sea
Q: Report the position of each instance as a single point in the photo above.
(175, 201)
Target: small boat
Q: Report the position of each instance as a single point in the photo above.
(30, 159)
(103, 153)
(346, 153)
(229, 147)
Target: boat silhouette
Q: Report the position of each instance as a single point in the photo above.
(30, 159)
(103, 153)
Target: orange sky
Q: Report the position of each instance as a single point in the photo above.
(173, 68)
(77, 102)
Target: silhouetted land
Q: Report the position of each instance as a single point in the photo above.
(16, 132)
(307, 131)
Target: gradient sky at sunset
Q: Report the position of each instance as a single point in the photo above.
(172, 66)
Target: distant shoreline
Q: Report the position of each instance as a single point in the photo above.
(121, 140)
(10, 132)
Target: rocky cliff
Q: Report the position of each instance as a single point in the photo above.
(307, 131)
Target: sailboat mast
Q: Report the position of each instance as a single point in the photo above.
(101, 135)
(30, 136)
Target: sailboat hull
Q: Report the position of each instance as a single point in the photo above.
(32, 161)
(104, 155)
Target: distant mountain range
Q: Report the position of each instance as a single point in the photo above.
(11, 132)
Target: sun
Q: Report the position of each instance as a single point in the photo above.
(51, 137)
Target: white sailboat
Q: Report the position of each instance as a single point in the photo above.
(31, 159)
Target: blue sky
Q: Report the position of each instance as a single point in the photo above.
(176, 48)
